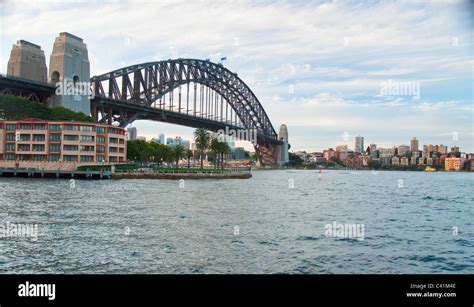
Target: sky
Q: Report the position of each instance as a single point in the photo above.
(328, 70)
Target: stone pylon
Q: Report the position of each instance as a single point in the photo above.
(69, 65)
(27, 61)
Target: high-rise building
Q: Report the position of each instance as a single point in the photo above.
(414, 144)
(169, 141)
(161, 138)
(132, 133)
(359, 144)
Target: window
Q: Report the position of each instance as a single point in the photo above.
(70, 158)
(101, 140)
(11, 127)
(55, 137)
(38, 147)
(87, 148)
(38, 157)
(39, 137)
(53, 158)
(25, 126)
(55, 127)
(113, 149)
(24, 147)
(100, 130)
(113, 140)
(24, 157)
(100, 158)
(100, 149)
(86, 128)
(68, 137)
(40, 127)
(113, 159)
(56, 148)
(25, 137)
(87, 158)
(87, 138)
(10, 157)
(70, 127)
(10, 147)
(11, 137)
(71, 147)
(55, 77)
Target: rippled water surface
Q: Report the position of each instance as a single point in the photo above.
(154, 226)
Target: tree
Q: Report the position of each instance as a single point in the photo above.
(219, 149)
(224, 150)
(178, 152)
(189, 155)
(202, 139)
(215, 149)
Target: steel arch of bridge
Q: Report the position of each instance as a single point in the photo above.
(147, 91)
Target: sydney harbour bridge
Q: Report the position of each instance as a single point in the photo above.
(189, 92)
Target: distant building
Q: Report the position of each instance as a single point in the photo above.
(454, 151)
(373, 151)
(329, 154)
(186, 144)
(342, 148)
(141, 138)
(395, 161)
(238, 153)
(169, 141)
(132, 133)
(453, 164)
(414, 144)
(359, 144)
(161, 138)
(386, 152)
(404, 161)
(403, 150)
(386, 160)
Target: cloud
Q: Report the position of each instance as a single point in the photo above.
(333, 54)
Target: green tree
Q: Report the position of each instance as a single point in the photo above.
(189, 155)
(214, 147)
(178, 152)
(202, 139)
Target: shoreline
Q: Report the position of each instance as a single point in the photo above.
(131, 175)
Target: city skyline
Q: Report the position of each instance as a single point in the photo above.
(346, 78)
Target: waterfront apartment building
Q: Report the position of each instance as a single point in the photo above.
(453, 164)
(61, 141)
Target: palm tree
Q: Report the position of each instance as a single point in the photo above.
(189, 155)
(202, 139)
(224, 149)
(215, 148)
(178, 153)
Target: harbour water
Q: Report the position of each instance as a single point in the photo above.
(274, 222)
